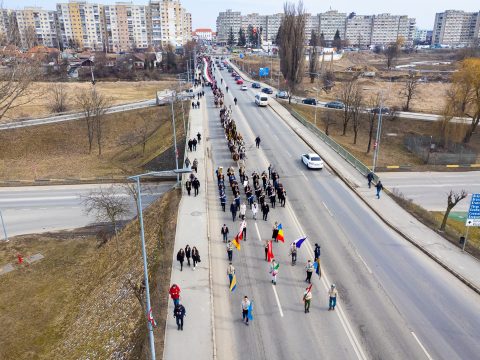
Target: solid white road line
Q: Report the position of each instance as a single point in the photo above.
(421, 345)
(288, 153)
(305, 176)
(258, 233)
(364, 263)
(278, 301)
(326, 207)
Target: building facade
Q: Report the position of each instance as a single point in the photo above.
(455, 27)
(227, 20)
(331, 21)
(358, 29)
(36, 27)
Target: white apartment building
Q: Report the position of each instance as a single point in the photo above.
(331, 21)
(170, 23)
(456, 27)
(81, 24)
(272, 24)
(36, 27)
(420, 35)
(126, 27)
(388, 28)
(358, 29)
(227, 20)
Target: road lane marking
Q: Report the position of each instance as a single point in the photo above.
(364, 263)
(326, 207)
(305, 176)
(278, 301)
(288, 153)
(258, 233)
(423, 348)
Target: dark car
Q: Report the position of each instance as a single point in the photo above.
(267, 90)
(256, 85)
(376, 110)
(335, 105)
(309, 101)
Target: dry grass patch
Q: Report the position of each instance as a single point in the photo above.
(78, 302)
(61, 150)
(120, 92)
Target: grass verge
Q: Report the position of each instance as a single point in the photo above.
(79, 302)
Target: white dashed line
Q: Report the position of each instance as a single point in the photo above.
(421, 345)
(326, 207)
(364, 263)
(305, 176)
(278, 301)
(258, 232)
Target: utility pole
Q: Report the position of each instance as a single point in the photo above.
(175, 138)
(377, 139)
(3, 225)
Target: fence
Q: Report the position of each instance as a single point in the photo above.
(340, 150)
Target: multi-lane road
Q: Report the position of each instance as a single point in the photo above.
(395, 303)
(38, 209)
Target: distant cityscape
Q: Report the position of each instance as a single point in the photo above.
(125, 26)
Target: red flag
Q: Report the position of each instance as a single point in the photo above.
(309, 288)
(270, 255)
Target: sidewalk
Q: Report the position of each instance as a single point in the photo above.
(196, 339)
(462, 265)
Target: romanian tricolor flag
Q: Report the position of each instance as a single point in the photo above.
(280, 233)
(233, 283)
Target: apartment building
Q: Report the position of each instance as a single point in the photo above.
(358, 29)
(125, 27)
(272, 24)
(36, 27)
(388, 28)
(170, 23)
(227, 20)
(331, 21)
(456, 27)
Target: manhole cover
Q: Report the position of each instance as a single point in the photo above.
(196, 213)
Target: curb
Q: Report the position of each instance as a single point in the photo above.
(393, 227)
(77, 181)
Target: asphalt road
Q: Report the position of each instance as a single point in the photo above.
(395, 303)
(430, 189)
(38, 209)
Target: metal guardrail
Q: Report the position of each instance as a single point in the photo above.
(339, 149)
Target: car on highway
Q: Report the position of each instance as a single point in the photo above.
(282, 94)
(261, 99)
(335, 105)
(376, 110)
(239, 81)
(234, 74)
(309, 101)
(267, 90)
(244, 88)
(256, 85)
(312, 161)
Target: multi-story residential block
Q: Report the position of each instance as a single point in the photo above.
(227, 20)
(36, 27)
(170, 23)
(331, 21)
(272, 24)
(358, 29)
(420, 35)
(455, 27)
(388, 28)
(126, 27)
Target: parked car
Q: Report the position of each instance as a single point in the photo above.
(244, 88)
(335, 105)
(234, 74)
(376, 110)
(267, 90)
(312, 161)
(309, 101)
(240, 82)
(256, 85)
(282, 94)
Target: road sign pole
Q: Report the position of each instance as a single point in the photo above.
(4, 229)
(466, 239)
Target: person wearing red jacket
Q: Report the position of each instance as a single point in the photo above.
(175, 294)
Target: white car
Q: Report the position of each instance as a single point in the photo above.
(313, 161)
(244, 88)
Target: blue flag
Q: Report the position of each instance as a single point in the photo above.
(250, 311)
(233, 283)
(299, 242)
(316, 265)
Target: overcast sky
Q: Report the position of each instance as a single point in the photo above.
(204, 12)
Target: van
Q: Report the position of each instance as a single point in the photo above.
(261, 99)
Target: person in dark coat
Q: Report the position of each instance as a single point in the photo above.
(223, 200)
(194, 144)
(196, 185)
(181, 258)
(188, 254)
(199, 137)
(316, 252)
(198, 104)
(179, 313)
(370, 179)
(224, 233)
(188, 186)
(257, 141)
(233, 210)
(195, 257)
(265, 210)
(190, 144)
(379, 187)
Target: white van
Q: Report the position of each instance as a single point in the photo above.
(261, 99)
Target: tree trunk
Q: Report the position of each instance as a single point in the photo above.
(355, 133)
(445, 217)
(471, 130)
(345, 124)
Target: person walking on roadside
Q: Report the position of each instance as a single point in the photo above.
(309, 269)
(275, 232)
(181, 258)
(237, 201)
(265, 210)
(316, 252)
(273, 195)
(257, 141)
(230, 272)
(194, 144)
(195, 165)
(266, 250)
(254, 210)
(195, 257)
(307, 298)
(332, 295)
(188, 254)
(235, 100)
(223, 200)
(244, 230)
(179, 313)
(274, 271)
(293, 253)
(243, 211)
(230, 251)
(370, 179)
(199, 137)
(224, 233)
(226, 89)
(245, 305)
(187, 162)
(233, 210)
(188, 186)
(190, 145)
(198, 104)
(379, 187)
(196, 185)
(175, 294)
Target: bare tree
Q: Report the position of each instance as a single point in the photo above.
(313, 58)
(100, 107)
(29, 37)
(107, 205)
(16, 85)
(453, 198)
(373, 102)
(356, 110)
(291, 45)
(392, 51)
(328, 120)
(348, 93)
(409, 90)
(58, 95)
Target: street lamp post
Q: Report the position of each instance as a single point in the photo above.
(377, 139)
(175, 138)
(3, 225)
(316, 99)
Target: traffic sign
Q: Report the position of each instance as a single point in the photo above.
(473, 216)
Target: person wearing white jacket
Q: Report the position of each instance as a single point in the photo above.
(243, 210)
(254, 210)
